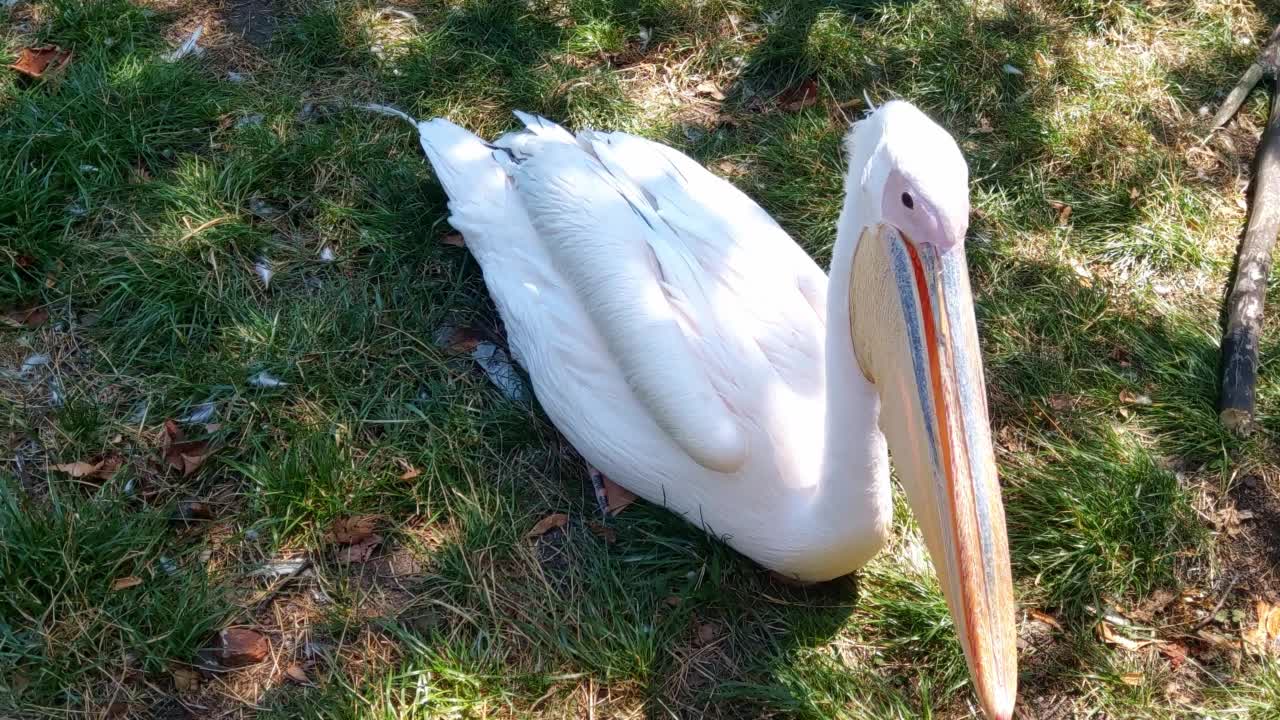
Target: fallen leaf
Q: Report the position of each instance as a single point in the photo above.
(618, 497)
(78, 469)
(295, 673)
(457, 340)
(709, 89)
(1045, 618)
(1062, 209)
(545, 525)
(1132, 678)
(126, 582)
(800, 97)
(608, 534)
(1110, 636)
(100, 470)
(194, 510)
(455, 239)
(184, 455)
(360, 551)
(1264, 638)
(35, 62)
(1176, 653)
(241, 646)
(186, 681)
(29, 317)
(354, 529)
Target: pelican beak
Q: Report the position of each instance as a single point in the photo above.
(918, 343)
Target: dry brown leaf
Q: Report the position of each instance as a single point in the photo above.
(1175, 653)
(1132, 678)
(186, 681)
(184, 455)
(1264, 638)
(78, 469)
(1062, 209)
(38, 61)
(126, 582)
(1111, 637)
(241, 646)
(29, 317)
(295, 673)
(617, 497)
(1045, 618)
(464, 340)
(545, 525)
(608, 534)
(709, 89)
(194, 510)
(800, 97)
(360, 551)
(455, 239)
(355, 529)
(100, 470)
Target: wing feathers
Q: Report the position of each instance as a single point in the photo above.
(596, 236)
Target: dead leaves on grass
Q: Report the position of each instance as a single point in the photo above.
(32, 317)
(799, 97)
(101, 470)
(182, 454)
(617, 497)
(1264, 638)
(238, 647)
(186, 680)
(548, 523)
(36, 62)
(125, 583)
(356, 536)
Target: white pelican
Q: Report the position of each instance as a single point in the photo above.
(694, 354)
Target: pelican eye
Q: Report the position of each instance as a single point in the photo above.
(908, 200)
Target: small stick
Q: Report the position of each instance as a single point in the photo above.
(1221, 601)
(1253, 261)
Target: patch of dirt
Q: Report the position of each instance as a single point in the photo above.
(1254, 551)
(254, 20)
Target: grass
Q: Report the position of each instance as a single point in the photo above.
(138, 195)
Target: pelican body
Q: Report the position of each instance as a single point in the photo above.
(694, 354)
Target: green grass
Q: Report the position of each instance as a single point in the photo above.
(136, 199)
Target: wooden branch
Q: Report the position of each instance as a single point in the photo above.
(1237, 95)
(1249, 290)
(1267, 63)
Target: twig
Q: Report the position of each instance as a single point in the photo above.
(1221, 601)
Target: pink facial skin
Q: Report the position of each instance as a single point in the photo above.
(904, 207)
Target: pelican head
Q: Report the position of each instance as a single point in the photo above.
(914, 336)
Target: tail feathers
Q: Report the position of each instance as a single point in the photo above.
(543, 127)
(460, 159)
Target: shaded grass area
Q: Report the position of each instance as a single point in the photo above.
(139, 197)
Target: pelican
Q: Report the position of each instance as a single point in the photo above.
(695, 355)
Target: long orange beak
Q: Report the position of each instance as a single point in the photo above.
(925, 360)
